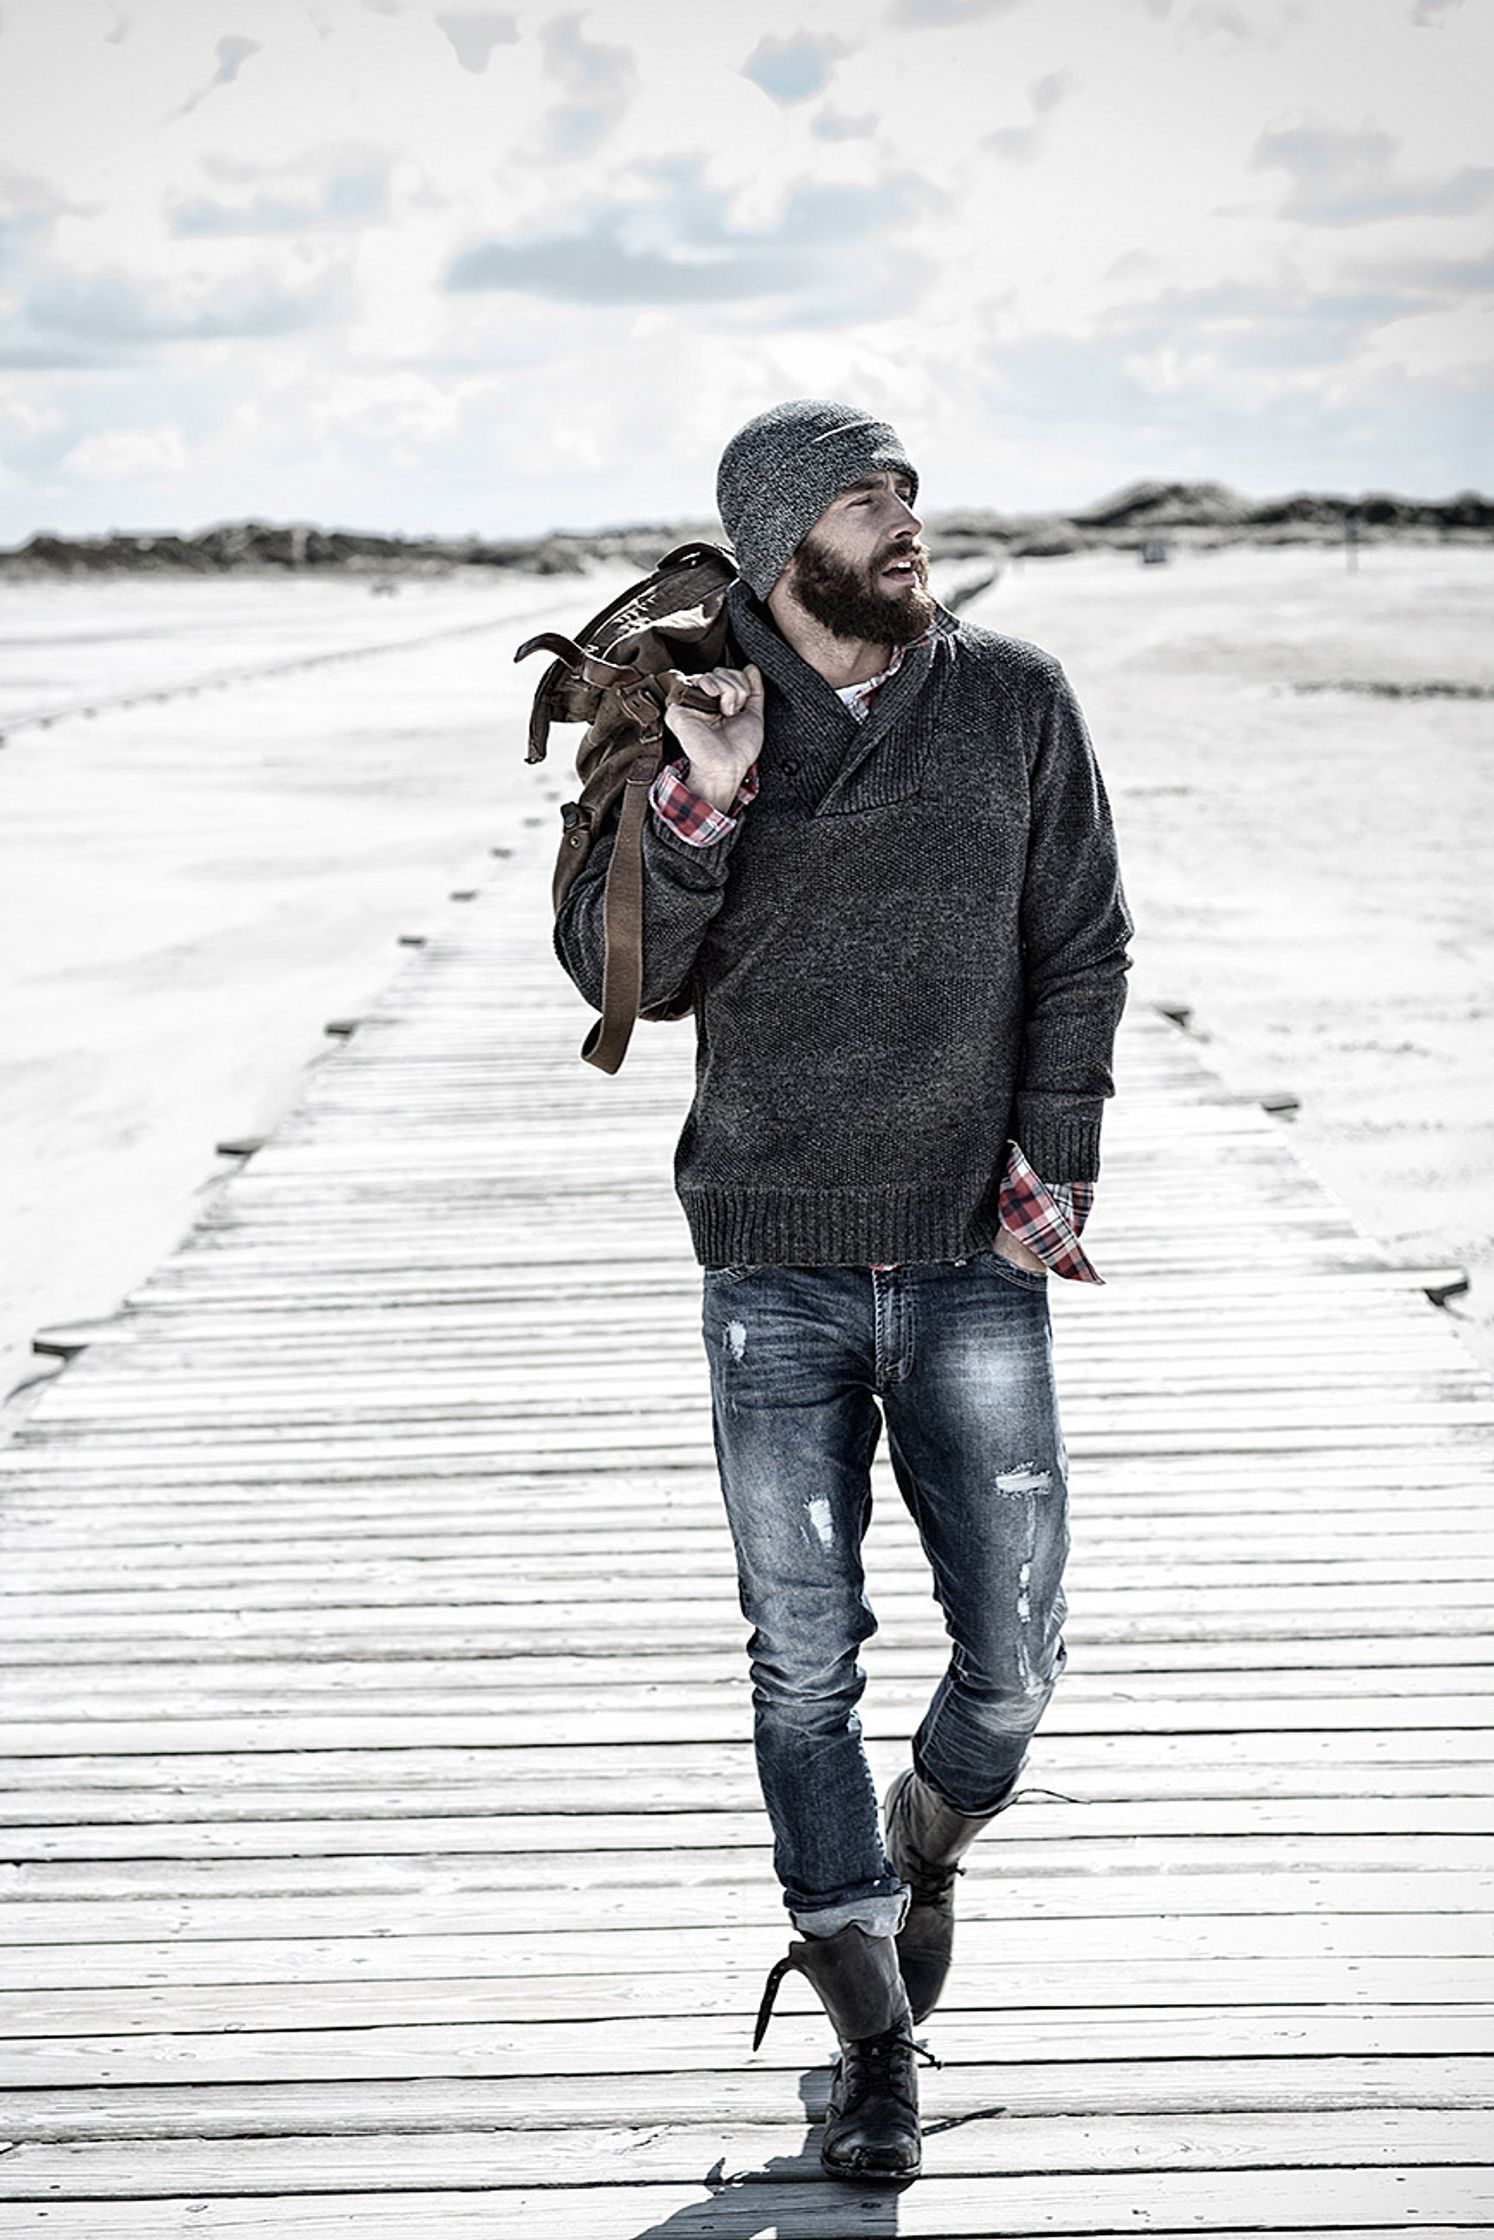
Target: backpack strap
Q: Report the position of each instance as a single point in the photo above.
(622, 911)
(593, 670)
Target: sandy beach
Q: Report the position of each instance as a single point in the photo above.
(191, 886)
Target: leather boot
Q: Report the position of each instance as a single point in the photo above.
(871, 2126)
(925, 1838)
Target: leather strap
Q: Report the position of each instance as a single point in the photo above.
(593, 670)
(622, 916)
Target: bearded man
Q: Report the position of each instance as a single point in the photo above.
(888, 869)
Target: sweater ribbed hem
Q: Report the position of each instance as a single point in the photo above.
(858, 1228)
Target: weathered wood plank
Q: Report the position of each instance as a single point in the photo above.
(1166, 1861)
(986, 1944)
(1386, 1659)
(624, 1784)
(981, 2141)
(609, 1898)
(736, 2096)
(508, 1743)
(650, 2046)
(456, 1580)
(664, 1831)
(422, 1700)
(594, 1996)
(1373, 2203)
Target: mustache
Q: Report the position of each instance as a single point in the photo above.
(917, 553)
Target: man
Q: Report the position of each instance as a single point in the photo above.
(888, 868)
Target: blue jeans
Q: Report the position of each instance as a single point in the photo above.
(960, 1355)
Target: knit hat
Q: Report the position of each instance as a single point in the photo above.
(779, 473)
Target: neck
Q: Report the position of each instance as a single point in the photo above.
(840, 661)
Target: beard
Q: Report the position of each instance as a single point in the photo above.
(848, 602)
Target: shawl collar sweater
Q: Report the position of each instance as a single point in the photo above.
(910, 946)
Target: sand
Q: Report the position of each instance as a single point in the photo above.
(191, 887)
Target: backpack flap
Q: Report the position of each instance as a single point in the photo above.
(560, 697)
(685, 579)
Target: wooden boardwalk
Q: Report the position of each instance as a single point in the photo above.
(384, 1855)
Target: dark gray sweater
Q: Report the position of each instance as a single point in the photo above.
(911, 945)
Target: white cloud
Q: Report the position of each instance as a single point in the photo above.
(680, 241)
(233, 53)
(26, 415)
(122, 308)
(599, 81)
(793, 69)
(351, 193)
(127, 455)
(1352, 178)
(474, 36)
(1452, 346)
(391, 406)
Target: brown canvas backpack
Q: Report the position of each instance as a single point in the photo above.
(617, 676)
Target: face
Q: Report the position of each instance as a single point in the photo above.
(861, 572)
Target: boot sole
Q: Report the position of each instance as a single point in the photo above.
(870, 2176)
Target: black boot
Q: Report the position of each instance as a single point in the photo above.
(925, 1838)
(871, 2126)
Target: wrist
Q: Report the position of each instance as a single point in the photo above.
(719, 792)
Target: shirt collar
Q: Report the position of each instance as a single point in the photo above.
(858, 697)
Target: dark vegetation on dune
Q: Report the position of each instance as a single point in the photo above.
(1170, 514)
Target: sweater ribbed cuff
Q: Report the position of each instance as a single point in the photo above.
(1060, 1136)
(687, 863)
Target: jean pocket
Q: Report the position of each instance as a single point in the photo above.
(731, 1272)
(1026, 1279)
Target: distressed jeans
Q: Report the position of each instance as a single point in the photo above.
(959, 1354)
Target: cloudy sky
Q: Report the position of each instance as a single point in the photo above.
(410, 264)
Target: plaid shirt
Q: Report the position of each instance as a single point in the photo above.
(1048, 1216)
(859, 697)
(690, 817)
(1045, 1216)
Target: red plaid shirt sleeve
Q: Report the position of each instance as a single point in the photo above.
(1047, 1216)
(688, 815)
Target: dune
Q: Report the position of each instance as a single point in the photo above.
(1195, 514)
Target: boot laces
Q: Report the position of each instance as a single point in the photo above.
(871, 2064)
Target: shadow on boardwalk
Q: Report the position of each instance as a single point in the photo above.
(743, 2201)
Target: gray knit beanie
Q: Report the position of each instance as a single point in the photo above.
(779, 473)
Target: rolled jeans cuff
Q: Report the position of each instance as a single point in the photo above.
(879, 1917)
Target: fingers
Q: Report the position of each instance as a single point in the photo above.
(734, 689)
